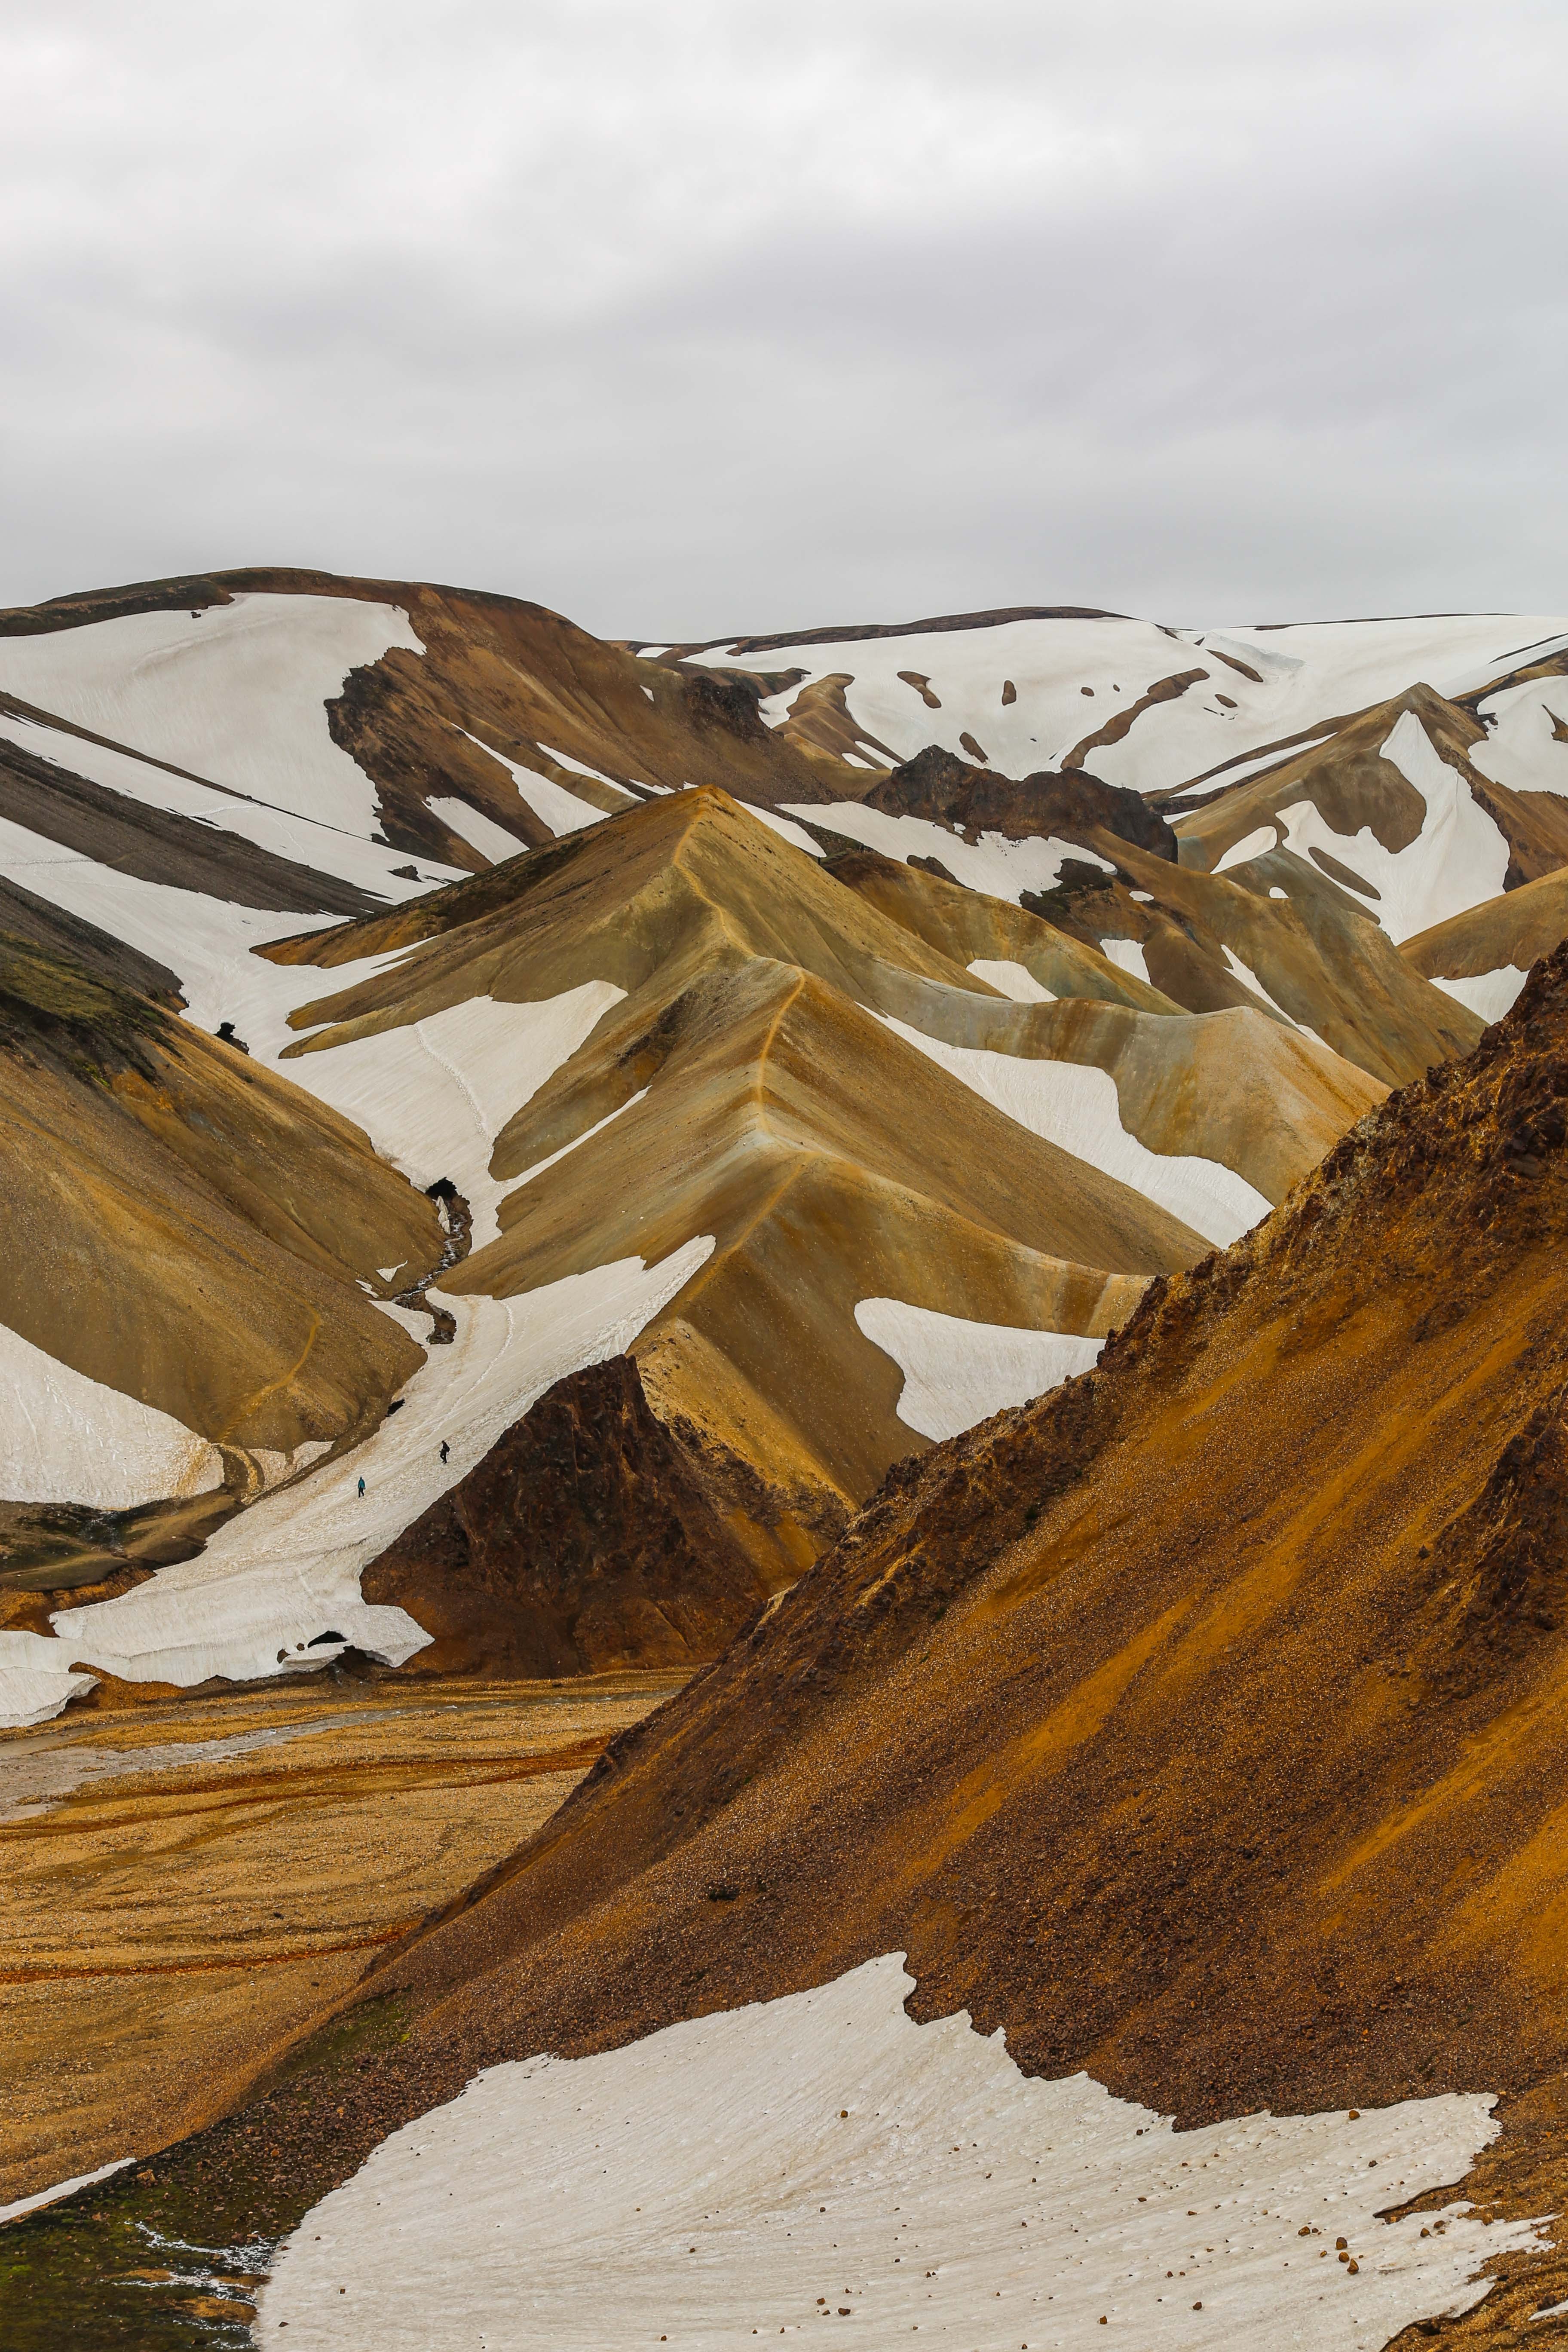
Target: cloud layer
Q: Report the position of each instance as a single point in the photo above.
(699, 318)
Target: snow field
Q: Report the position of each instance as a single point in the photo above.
(1522, 750)
(279, 1576)
(433, 1094)
(328, 848)
(1000, 867)
(1307, 673)
(64, 1438)
(1075, 1105)
(552, 803)
(1459, 858)
(1490, 994)
(747, 2175)
(1011, 978)
(236, 693)
(957, 1372)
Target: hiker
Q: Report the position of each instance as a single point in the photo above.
(446, 1449)
(362, 1485)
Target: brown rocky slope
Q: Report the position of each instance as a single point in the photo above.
(1197, 1724)
(583, 1542)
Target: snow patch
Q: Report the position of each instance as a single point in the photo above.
(1011, 978)
(1250, 845)
(552, 803)
(794, 833)
(36, 1681)
(1245, 768)
(480, 831)
(66, 1438)
(1000, 867)
(287, 1571)
(1489, 993)
(1128, 956)
(750, 2173)
(1076, 1107)
(63, 2188)
(957, 1372)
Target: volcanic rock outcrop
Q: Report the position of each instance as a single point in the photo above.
(583, 1542)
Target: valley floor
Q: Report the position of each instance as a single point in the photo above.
(193, 1881)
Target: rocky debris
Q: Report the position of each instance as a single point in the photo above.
(582, 1542)
(938, 785)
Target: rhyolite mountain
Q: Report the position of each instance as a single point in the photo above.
(950, 1181)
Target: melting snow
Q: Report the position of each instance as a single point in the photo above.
(64, 1438)
(287, 1571)
(1459, 858)
(1489, 993)
(746, 2175)
(1076, 1107)
(63, 2188)
(1011, 978)
(36, 1680)
(237, 694)
(42, 1775)
(957, 1372)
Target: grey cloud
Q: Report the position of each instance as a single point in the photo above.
(704, 318)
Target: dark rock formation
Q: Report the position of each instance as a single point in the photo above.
(939, 785)
(582, 1542)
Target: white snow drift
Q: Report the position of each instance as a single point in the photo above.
(821, 2157)
(1459, 858)
(957, 1372)
(998, 866)
(277, 1587)
(1490, 994)
(1076, 1107)
(64, 1438)
(237, 694)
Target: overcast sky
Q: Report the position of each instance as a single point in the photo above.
(685, 317)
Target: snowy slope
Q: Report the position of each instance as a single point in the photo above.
(1071, 677)
(750, 2173)
(235, 693)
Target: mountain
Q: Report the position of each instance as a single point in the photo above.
(841, 1181)
(948, 1187)
(1191, 1724)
